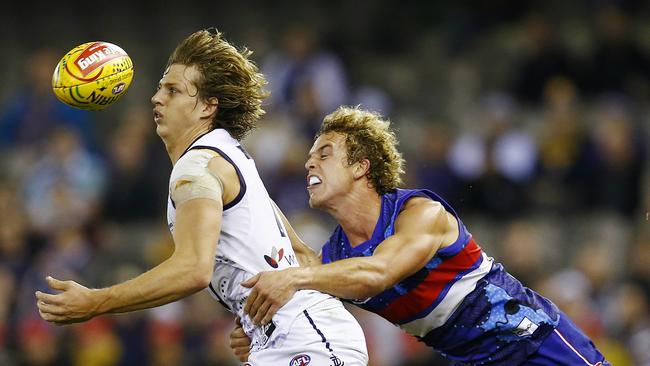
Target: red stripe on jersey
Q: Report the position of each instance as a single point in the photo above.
(422, 296)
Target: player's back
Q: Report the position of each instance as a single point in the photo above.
(253, 239)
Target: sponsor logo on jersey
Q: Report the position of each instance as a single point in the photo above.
(300, 360)
(276, 256)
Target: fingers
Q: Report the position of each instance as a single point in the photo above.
(242, 353)
(269, 314)
(47, 298)
(255, 304)
(251, 281)
(239, 342)
(261, 312)
(56, 284)
(53, 318)
(249, 302)
(49, 308)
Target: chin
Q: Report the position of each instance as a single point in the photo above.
(313, 203)
(161, 131)
(316, 203)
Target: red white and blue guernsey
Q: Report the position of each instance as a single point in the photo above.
(465, 305)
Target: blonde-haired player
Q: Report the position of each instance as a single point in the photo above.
(225, 227)
(406, 255)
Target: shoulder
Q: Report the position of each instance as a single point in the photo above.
(421, 204)
(193, 162)
(420, 213)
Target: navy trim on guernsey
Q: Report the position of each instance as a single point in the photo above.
(242, 183)
(311, 321)
(246, 154)
(269, 331)
(278, 222)
(189, 147)
(218, 298)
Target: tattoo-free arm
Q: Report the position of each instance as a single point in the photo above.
(421, 229)
(185, 272)
(188, 270)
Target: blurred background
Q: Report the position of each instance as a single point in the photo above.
(531, 120)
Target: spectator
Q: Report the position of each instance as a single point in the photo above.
(305, 78)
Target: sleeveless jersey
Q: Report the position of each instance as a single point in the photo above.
(461, 303)
(253, 239)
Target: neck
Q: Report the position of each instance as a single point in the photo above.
(176, 146)
(358, 215)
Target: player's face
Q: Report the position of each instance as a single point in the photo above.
(329, 176)
(177, 107)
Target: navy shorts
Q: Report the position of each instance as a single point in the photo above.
(567, 345)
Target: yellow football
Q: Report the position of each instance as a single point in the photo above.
(92, 76)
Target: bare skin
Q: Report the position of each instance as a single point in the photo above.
(180, 117)
(422, 228)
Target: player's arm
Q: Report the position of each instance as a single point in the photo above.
(420, 230)
(186, 271)
(306, 256)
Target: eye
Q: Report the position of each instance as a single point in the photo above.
(173, 90)
(323, 156)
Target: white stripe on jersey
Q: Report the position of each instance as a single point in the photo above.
(450, 302)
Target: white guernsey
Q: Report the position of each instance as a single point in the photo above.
(253, 239)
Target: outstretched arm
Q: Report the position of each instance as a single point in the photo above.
(186, 271)
(421, 229)
(198, 194)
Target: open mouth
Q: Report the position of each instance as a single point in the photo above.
(313, 181)
(156, 116)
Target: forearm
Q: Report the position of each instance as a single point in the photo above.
(306, 256)
(165, 283)
(354, 278)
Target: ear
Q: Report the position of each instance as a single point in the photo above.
(210, 107)
(361, 168)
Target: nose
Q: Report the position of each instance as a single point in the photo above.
(309, 164)
(155, 99)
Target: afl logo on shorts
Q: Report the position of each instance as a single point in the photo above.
(300, 360)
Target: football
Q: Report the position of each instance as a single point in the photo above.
(92, 76)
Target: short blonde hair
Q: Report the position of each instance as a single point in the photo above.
(226, 74)
(368, 136)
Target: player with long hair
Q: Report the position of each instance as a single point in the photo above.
(224, 225)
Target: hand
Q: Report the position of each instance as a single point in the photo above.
(74, 304)
(271, 290)
(239, 342)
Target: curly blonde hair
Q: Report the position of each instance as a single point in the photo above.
(368, 136)
(226, 74)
